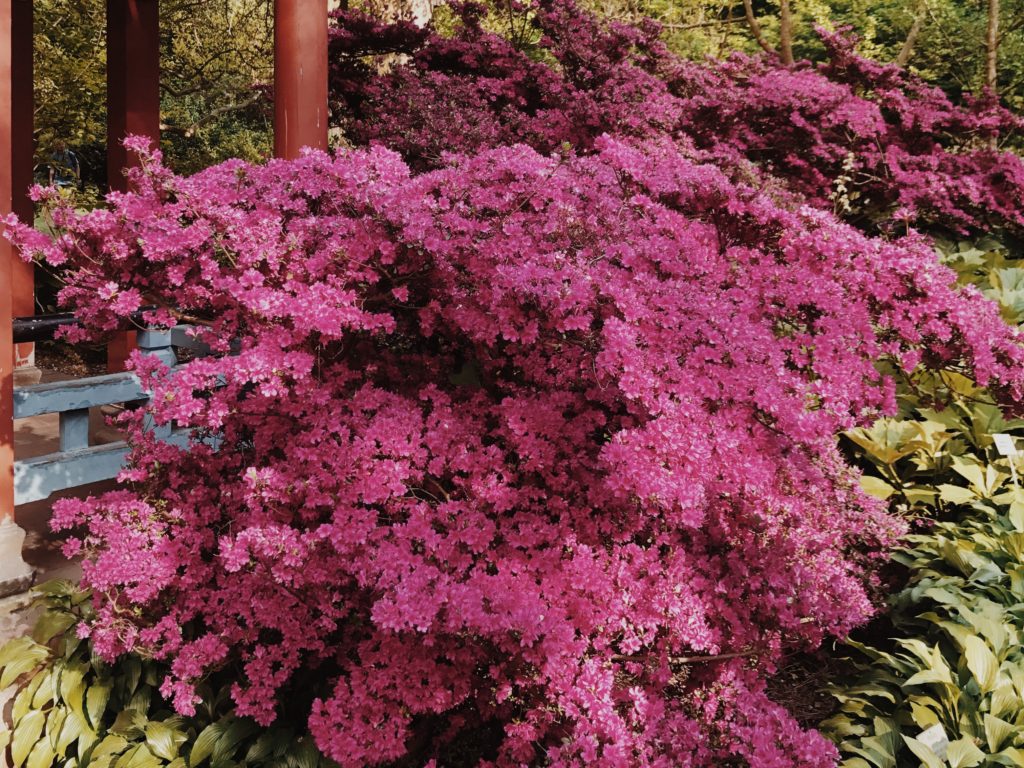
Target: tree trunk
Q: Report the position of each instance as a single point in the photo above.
(786, 32)
(915, 31)
(992, 46)
(755, 28)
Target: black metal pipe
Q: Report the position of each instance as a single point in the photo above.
(40, 327)
(44, 327)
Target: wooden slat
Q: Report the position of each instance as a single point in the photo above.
(36, 479)
(74, 430)
(76, 394)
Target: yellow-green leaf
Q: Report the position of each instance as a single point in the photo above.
(96, 699)
(923, 752)
(876, 486)
(26, 734)
(163, 741)
(41, 756)
(982, 663)
(204, 743)
(963, 753)
(998, 732)
(20, 656)
(956, 494)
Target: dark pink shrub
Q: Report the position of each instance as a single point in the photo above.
(867, 140)
(506, 442)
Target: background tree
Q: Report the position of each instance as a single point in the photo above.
(216, 66)
(216, 61)
(70, 87)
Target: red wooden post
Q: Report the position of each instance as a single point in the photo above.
(16, 153)
(23, 277)
(133, 104)
(300, 76)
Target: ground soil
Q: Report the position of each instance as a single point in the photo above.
(71, 359)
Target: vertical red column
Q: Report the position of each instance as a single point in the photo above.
(133, 103)
(22, 160)
(300, 76)
(15, 175)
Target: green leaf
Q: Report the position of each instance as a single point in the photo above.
(923, 752)
(982, 663)
(239, 729)
(163, 740)
(19, 656)
(266, 745)
(204, 743)
(112, 744)
(886, 440)
(998, 732)
(72, 687)
(963, 753)
(51, 624)
(96, 698)
(956, 494)
(1004, 700)
(1009, 756)
(1016, 515)
(70, 730)
(306, 755)
(41, 756)
(138, 757)
(26, 734)
(875, 486)
(129, 723)
(23, 701)
(924, 717)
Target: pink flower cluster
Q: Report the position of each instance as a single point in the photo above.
(507, 445)
(866, 140)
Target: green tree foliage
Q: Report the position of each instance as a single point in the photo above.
(70, 86)
(946, 37)
(216, 61)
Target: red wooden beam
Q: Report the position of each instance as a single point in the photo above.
(133, 81)
(133, 105)
(16, 154)
(22, 161)
(300, 76)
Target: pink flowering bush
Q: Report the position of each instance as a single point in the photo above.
(539, 447)
(864, 139)
(528, 448)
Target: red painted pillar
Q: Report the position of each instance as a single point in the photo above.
(21, 159)
(16, 277)
(300, 76)
(133, 104)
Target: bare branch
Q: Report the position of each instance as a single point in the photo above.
(915, 31)
(755, 28)
(992, 46)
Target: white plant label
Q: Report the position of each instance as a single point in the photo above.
(936, 740)
(1005, 445)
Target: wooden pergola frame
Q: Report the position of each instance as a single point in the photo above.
(133, 108)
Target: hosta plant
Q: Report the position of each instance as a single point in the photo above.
(72, 709)
(952, 656)
(957, 660)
